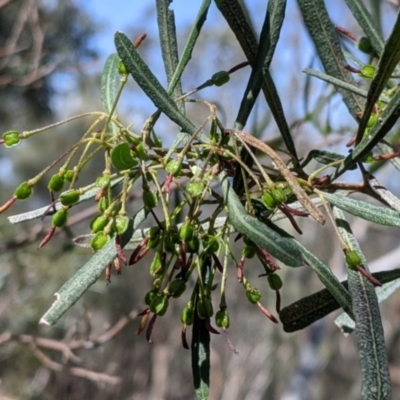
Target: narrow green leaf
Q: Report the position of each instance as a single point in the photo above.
(309, 309)
(342, 84)
(369, 330)
(236, 19)
(256, 231)
(322, 156)
(377, 214)
(169, 44)
(150, 85)
(388, 61)
(86, 276)
(367, 24)
(326, 41)
(109, 79)
(347, 325)
(386, 121)
(190, 44)
(325, 275)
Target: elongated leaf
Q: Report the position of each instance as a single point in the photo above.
(322, 156)
(235, 17)
(379, 215)
(109, 79)
(379, 130)
(367, 24)
(169, 43)
(190, 44)
(86, 276)
(151, 86)
(256, 231)
(325, 38)
(325, 275)
(342, 84)
(388, 61)
(309, 309)
(383, 193)
(369, 330)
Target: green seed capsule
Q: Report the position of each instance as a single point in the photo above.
(99, 222)
(23, 191)
(122, 69)
(69, 175)
(210, 244)
(269, 200)
(121, 223)
(170, 241)
(11, 139)
(149, 199)
(60, 218)
(150, 296)
(222, 319)
(103, 182)
(154, 243)
(153, 232)
(56, 183)
(140, 151)
(278, 195)
(253, 294)
(275, 282)
(367, 71)
(220, 78)
(195, 188)
(174, 167)
(201, 309)
(103, 204)
(193, 245)
(156, 266)
(186, 232)
(177, 288)
(187, 316)
(365, 45)
(69, 198)
(353, 260)
(159, 305)
(99, 240)
(249, 251)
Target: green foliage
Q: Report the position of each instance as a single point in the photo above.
(210, 165)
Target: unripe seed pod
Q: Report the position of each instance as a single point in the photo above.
(353, 260)
(364, 44)
(153, 243)
(367, 71)
(253, 294)
(186, 232)
(99, 240)
(278, 195)
(187, 316)
(149, 199)
(56, 183)
(156, 265)
(269, 200)
(98, 223)
(222, 319)
(174, 167)
(69, 198)
(11, 139)
(103, 182)
(121, 223)
(249, 251)
(220, 78)
(210, 244)
(23, 191)
(60, 218)
(205, 308)
(195, 188)
(69, 175)
(177, 288)
(193, 245)
(103, 204)
(159, 305)
(153, 232)
(122, 70)
(150, 296)
(275, 282)
(170, 241)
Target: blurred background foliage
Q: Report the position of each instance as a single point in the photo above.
(50, 69)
